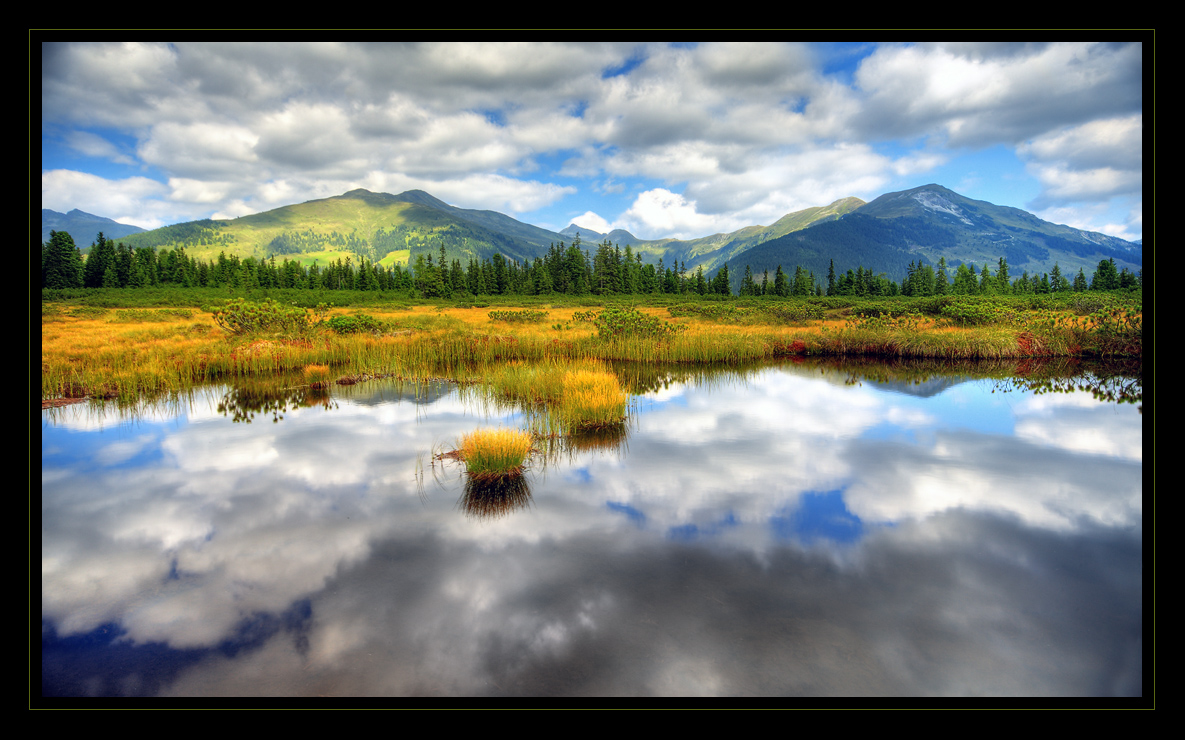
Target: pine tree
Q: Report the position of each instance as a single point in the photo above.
(748, 287)
(62, 264)
(100, 257)
(1002, 284)
(1055, 278)
(720, 284)
(780, 286)
(1105, 276)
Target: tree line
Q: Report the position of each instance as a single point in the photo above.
(565, 269)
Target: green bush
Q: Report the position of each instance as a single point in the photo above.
(355, 324)
(240, 316)
(619, 322)
(524, 316)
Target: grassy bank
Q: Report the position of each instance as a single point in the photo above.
(99, 351)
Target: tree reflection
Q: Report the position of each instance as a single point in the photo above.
(243, 402)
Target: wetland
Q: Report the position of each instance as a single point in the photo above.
(797, 527)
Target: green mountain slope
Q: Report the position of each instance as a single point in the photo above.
(378, 226)
(711, 252)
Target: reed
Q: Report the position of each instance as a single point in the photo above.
(494, 453)
(126, 353)
(591, 399)
(317, 376)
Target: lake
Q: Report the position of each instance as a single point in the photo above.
(795, 530)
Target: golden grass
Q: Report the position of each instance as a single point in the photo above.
(136, 352)
(318, 377)
(591, 399)
(494, 453)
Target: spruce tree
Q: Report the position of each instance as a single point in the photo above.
(780, 287)
(62, 267)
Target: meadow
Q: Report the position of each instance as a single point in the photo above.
(125, 344)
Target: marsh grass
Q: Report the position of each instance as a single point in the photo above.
(318, 377)
(101, 352)
(490, 454)
(590, 399)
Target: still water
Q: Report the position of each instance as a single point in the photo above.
(781, 531)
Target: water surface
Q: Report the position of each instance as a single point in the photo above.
(786, 531)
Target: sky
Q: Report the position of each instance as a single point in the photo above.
(661, 139)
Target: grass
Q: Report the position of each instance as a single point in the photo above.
(318, 377)
(494, 453)
(113, 351)
(590, 399)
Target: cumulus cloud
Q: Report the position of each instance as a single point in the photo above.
(1092, 162)
(982, 95)
(659, 211)
(741, 132)
(590, 220)
(120, 200)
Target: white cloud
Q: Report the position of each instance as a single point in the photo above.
(93, 145)
(590, 220)
(661, 212)
(122, 200)
(743, 132)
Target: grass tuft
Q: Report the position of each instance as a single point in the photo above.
(494, 453)
(317, 376)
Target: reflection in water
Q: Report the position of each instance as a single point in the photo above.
(763, 531)
(242, 402)
(493, 498)
(557, 449)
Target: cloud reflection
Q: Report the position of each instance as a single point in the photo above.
(747, 538)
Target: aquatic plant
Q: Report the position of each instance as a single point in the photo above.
(318, 377)
(494, 453)
(591, 399)
(496, 497)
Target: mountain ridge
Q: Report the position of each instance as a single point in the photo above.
(919, 225)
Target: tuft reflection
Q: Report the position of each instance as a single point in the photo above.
(495, 497)
(558, 449)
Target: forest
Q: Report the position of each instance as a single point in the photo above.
(605, 270)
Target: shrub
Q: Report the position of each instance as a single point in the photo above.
(523, 316)
(355, 324)
(240, 316)
(619, 322)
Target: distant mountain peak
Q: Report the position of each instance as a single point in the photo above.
(936, 201)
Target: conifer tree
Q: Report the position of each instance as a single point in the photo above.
(780, 287)
(62, 264)
(940, 282)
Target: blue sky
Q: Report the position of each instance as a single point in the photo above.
(678, 140)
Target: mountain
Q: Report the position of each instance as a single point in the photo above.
(885, 235)
(83, 226)
(378, 226)
(931, 222)
(710, 252)
(393, 229)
